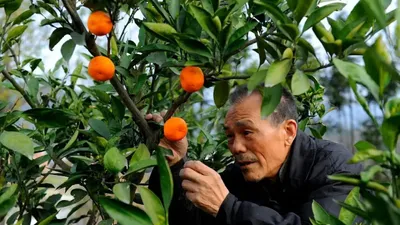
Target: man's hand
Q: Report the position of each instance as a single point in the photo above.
(204, 186)
(178, 148)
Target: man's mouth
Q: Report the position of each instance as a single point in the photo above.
(244, 164)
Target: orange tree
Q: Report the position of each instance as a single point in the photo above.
(94, 134)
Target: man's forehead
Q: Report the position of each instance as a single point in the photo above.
(238, 123)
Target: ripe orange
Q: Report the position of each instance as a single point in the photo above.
(192, 78)
(175, 129)
(99, 23)
(101, 68)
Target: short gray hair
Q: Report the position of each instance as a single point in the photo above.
(285, 110)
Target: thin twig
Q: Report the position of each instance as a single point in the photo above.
(318, 68)
(19, 88)
(178, 102)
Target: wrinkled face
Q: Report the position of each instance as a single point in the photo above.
(259, 147)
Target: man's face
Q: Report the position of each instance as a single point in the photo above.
(258, 146)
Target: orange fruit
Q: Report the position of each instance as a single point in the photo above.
(101, 68)
(191, 78)
(99, 23)
(175, 129)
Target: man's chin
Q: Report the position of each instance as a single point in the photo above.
(250, 176)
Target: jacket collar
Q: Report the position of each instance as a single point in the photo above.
(297, 166)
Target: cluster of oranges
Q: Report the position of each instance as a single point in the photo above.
(101, 68)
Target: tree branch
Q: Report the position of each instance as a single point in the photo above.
(19, 89)
(92, 47)
(178, 102)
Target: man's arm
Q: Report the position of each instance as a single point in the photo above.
(234, 211)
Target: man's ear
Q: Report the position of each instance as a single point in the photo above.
(290, 127)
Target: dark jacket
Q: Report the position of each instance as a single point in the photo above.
(301, 179)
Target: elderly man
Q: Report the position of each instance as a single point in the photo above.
(278, 170)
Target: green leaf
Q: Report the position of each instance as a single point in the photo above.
(77, 73)
(376, 10)
(300, 83)
(48, 219)
(368, 174)
(358, 74)
(355, 210)
(71, 140)
(117, 107)
(305, 44)
(377, 67)
(125, 214)
(33, 87)
(114, 161)
(123, 192)
(140, 165)
(139, 84)
(9, 191)
(23, 16)
(390, 132)
(193, 46)
(320, 13)
(17, 142)
(57, 35)
(271, 98)
(12, 6)
(256, 79)
(302, 7)
(162, 11)
(205, 20)
(173, 8)
(67, 49)
(221, 93)
(166, 182)
(272, 51)
(153, 205)
(374, 154)
(156, 47)
(290, 30)
(47, 7)
(364, 145)
(141, 153)
(346, 216)
(277, 72)
(15, 32)
(363, 102)
(323, 216)
(161, 30)
(208, 6)
(243, 30)
(100, 127)
(8, 204)
(8, 199)
(274, 12)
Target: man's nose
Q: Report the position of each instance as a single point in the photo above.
(238, 147)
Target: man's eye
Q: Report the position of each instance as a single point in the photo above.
(229, 136)
(246, 132)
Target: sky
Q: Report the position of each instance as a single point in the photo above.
(132, 32)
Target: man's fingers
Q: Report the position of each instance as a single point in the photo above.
(189, 174)
(199, 167)
(191, 196)
(158, 118)
(148, 116)
(189, 186)
(163, 113)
